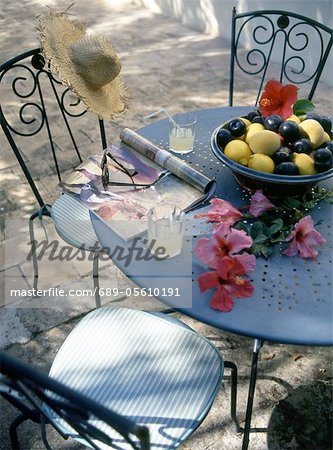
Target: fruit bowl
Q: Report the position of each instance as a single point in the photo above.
(273, 185)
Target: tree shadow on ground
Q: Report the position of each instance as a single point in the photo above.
(303, 420)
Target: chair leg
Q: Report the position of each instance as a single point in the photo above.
(43, 433)
(233, 412)
(253, 379)
(33, 249)
(44, 211)
(13, 430)
(22, 418)
(96, 279)
(168, 311)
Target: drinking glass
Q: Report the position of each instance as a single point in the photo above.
(182, 132)
(165, 230)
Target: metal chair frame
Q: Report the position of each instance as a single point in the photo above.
(265, 27)
(31, 73)
(40, 397)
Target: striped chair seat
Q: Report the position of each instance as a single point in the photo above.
(72, 222)
(145, 367)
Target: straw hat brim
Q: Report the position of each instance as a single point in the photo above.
(57, 34)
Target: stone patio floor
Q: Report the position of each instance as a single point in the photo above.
(166, 65)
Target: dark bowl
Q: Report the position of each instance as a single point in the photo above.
(272, 185)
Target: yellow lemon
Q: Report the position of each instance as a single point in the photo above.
(326, 137)
(252, 129)
(265, 141)
(261, 163)
(294, 118)
(238, 151)
(246, 121)
(304, 163)
(312, 130)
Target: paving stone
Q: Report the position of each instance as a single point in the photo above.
(84, 267)
(7, 177)
(10, 279)
(8, 158)
(19, 197)
(12, 329)
(51, 273)
(5, 203)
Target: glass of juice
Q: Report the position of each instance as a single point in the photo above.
(165, 230)
(182, 132)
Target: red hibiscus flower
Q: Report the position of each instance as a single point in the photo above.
(278, 99)
(228, 281)
(303, 238)
(259, 204)
(221, 211)
(221, 244)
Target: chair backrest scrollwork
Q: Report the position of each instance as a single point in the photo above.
(34, 104)
(286, 46)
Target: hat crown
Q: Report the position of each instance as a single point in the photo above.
(95, 60)
(88, 65)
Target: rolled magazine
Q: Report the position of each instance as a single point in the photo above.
(165, 159)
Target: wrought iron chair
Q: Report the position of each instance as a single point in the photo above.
(35, 105)
(121, 377)
(259, 38)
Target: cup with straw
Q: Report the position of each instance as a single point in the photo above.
(181, 130)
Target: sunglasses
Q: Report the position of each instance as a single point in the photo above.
(130, 173)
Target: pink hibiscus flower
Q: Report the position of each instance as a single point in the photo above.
(303, 238)
(221, 244)
(278, 99)
(247, 261)
(221, 211)
(228, 281)
(259, 204)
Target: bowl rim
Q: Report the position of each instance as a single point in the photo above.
(269, 177)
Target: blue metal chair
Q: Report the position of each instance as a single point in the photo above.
(259, 38)
(122, 378)
(34, 104)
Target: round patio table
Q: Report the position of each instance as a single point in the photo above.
(292, 300)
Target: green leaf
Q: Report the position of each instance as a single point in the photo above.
(269, 251)
(242, 226)
(292, 203)
(260, 238)
(256, 249)
(267, 217)
(276, 226)
(310, 205)
(247, 216)
(278, 221)
(262, 250)
(302, 106)
(257, 229)
(281, 237)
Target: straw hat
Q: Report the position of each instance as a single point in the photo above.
(88, 65)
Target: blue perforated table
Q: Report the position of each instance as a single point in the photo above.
(292, 301)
